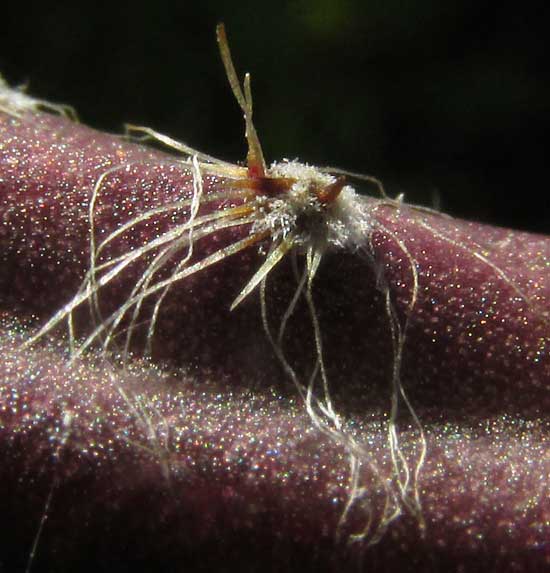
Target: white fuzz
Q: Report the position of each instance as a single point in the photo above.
(15, 102)
(349, 222)
(344, 223)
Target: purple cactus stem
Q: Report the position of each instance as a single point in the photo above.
(203, 457)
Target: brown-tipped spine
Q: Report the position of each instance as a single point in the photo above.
(330, 193)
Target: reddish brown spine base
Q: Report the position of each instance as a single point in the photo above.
(275, 186)
(236, 477)
(330, 193)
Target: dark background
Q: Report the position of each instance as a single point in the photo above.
(445, 101)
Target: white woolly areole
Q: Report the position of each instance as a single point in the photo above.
(15, 102)
(15, 99)
(344, 223)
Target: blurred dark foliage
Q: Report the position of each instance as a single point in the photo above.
(446, 101)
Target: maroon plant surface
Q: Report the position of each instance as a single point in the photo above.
(203, 456)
